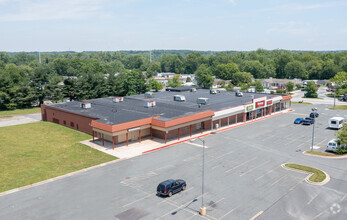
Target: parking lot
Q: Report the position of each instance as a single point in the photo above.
(243, 179)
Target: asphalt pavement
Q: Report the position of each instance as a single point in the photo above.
(243, 179)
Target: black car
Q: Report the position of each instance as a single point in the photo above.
(170, 187)
(314, 115)
(308, 121)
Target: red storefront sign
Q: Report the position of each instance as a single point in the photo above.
(269, 102)
(260, 104)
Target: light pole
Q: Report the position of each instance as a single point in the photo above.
(203, 208)
(314, 110)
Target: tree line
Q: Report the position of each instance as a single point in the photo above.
(25, 81)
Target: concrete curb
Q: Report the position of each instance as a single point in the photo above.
(326, 180)
(57, 178)
(327, 157)
(234, 126)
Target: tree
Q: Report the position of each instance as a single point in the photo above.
(204, 76)
(174, 82)
(295, 69)
(229, 87)
(311, 89)
(290, 86)
(153, 68)
(340, 81)
(255, 68)
(188, 79)
(192, 62)
(155, 85)
(226, 71)
(342, 134)
(171, 63)
(258, 87)
(280, 63)
(241, 77)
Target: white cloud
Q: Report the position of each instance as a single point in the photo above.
(52, 10)
(298, 7)
(291, 27)
(232, 2)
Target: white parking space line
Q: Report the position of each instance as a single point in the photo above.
(182, 207)
(215, 202)
(194, 144)
(192, 158)
(241, 164)
(279, 180)
(323, 141)
(250, 170)
(256, 215)
(228, 213)
(170, 199)
(270, 171)
(309, 202)
(216, 158)
(139, 199)
(294, 113)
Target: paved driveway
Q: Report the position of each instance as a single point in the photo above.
(20, 119)
(243, 178)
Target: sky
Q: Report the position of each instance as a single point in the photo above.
(217, 25)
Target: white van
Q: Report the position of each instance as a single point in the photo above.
(333, 145)
(336, 122)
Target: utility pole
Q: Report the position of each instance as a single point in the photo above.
(150, 56)
(39, 57)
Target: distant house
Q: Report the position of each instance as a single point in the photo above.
(317, 82)
(273, 83)
(166, 75)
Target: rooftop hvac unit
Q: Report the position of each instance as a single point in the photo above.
(85, 105)
(202, 101)
(118, 99)
(179, 98)
(149, 95)
(149, 104)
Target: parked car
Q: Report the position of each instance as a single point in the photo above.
(170, 187)
(298, 121)
(334, 145)
(336, 122)
(308, 121)
(314, 115)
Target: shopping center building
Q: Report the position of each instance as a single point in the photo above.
(166, 115)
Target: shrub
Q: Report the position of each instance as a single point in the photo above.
(341, 150)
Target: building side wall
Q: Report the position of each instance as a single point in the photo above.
(70, 120)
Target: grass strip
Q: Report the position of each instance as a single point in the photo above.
(20, 112)
(302, 103)
(318, 175)
(321, 153)
(339, 107)
(38, 151)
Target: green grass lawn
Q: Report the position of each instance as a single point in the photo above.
(38, 151)
(339, 107)
(302, 103)
(20, 112)
(321, 153)
(318, 175)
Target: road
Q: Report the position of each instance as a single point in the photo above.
(20, 119)
(243, 178)
(322, 98)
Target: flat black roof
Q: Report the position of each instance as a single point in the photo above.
(132, 108)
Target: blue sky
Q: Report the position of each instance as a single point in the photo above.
(109, 25)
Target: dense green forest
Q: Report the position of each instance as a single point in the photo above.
(77, 76)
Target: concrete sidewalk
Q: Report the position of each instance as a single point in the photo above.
(19, 119)
(147, 145)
